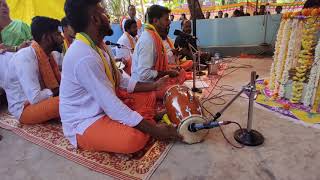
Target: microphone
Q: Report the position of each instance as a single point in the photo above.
(213, 124)
(109, 43)
(185, 35)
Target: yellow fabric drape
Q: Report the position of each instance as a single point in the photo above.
(112, 74)
(25, 10)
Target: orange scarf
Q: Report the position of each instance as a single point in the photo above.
(48, 68)
(131, 41)
(112, 72)
(162, 58)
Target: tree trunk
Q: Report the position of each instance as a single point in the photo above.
(198, 12)
(142, 8)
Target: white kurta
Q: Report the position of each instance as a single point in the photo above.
(22, 81)
(124, 52)
(144, 59)
(86, 94)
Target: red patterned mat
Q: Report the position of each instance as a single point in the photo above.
(49, 135)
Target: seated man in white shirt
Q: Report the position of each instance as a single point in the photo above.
(150, 59)
(128, 40)
(93, 115)
(32, 78)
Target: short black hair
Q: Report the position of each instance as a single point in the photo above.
(131, 5)
(129, 23)
(64, 22)
(77, 12)
(311, 4)
(42, 25)
(183, 14)
(157, 11)
(236, 12)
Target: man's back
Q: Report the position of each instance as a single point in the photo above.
(22, 81)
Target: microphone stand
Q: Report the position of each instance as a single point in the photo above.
(122, 47)
(194, 57)
(249, 136)
(246, 136)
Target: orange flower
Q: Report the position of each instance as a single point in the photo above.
(266, 82)
(289, 15)
(275, 95)
(315, 12)
(286, 106)
(298, 13)
(306, 12)
(285, 16)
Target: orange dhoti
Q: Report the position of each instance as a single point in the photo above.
(186, 65)
(111, 136)
(41, 112)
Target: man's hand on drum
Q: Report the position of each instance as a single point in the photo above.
(161, 82)
(167, 133)
(159, 131)
(172, 73)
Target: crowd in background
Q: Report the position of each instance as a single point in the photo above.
(236, 13)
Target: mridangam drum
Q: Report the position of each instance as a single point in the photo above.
(184, 109)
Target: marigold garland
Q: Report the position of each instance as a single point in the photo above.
(310, 95)
(276, 54)
(305, 58)
(282, 58)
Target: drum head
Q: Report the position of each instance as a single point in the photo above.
(192, 137)
(168, 93)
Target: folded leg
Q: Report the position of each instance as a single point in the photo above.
(41, 112)
(111, 136)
